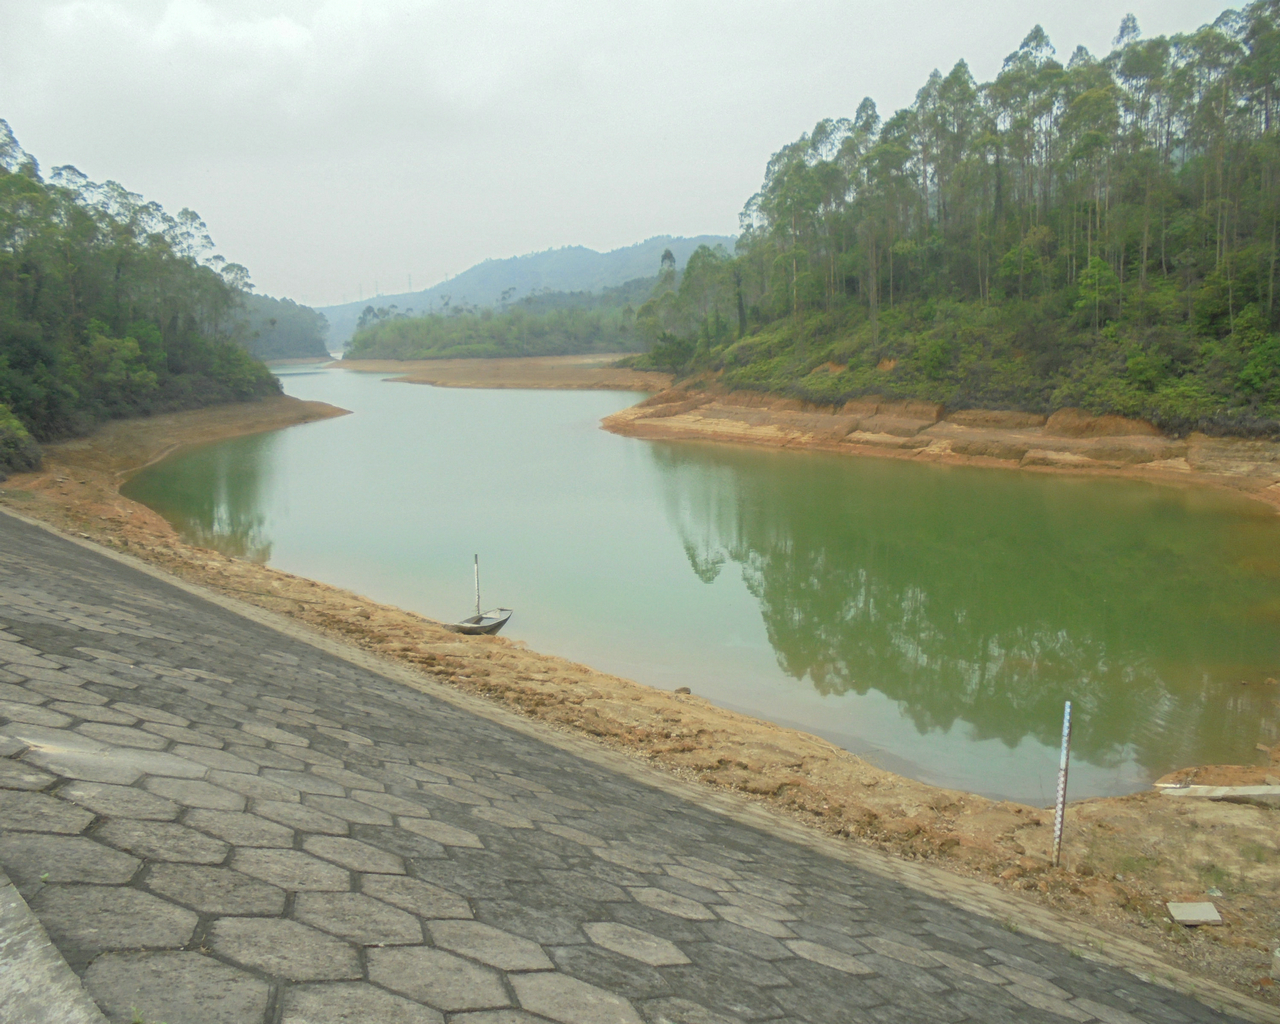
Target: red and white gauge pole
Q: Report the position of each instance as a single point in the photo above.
(1060, 809)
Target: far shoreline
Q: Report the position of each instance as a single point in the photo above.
(872, 427)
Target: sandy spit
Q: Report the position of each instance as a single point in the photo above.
(1123, 857)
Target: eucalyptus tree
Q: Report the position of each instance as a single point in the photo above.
(108, 305)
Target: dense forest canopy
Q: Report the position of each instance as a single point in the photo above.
(544, 324)
(109, 306)
(281, 328)
(1100, 232)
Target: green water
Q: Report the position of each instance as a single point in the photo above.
(931, 618)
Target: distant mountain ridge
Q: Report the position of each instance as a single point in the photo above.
(573, 268)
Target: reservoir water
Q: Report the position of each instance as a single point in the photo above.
(930, 618)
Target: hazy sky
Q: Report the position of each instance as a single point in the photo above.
(334, 145)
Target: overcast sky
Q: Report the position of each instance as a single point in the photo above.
(332, 146)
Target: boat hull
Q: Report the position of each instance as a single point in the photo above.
(488, 624)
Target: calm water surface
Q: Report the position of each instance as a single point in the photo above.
(931, 618)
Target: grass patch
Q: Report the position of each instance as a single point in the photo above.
(1256, 853)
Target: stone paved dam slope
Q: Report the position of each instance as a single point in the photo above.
(218, 822)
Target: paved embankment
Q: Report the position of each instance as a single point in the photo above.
(216, 821)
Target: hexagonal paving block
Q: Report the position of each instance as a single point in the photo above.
(303, 782)
(357, 917)
(151, 714)
(188, 735)
(218, 759)
(437, 978)
(306, 819)
(178, 988)
(699, 878)
(284, 948)
(571, 1001)
(240, 829)
(95, 917)
(16, 775)
(213, 890)
(30, 714)
(394, 804)
(89, 765)
(352, 1003)
(354, 811)
(291, 869)
(678, 1011)
(273, 735)
(196, 793)
(109, 716)
(417, 897)
(36, 812)
(120, 801)
(639, 945)
(254, 786)
(829, 957)
(10, 746)
(502, 816)
(670, 903)
(350, 779)
(119, 765)
(756, 922)
(162, 840)
(404, 844)
(353, 854)
(122, 736)
(31, 858)
(442, 833)
(65, 688)
(708, 867)
(489, 945)
(261, 756)
(455, 795)
(20, 694)
(573, 834)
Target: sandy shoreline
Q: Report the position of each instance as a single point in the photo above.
(1067, 442)
(1123, 856)
(561, 373)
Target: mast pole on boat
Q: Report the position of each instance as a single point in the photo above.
(477, 584)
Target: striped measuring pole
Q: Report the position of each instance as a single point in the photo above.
(1060, 808)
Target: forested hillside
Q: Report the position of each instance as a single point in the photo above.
(569, 270)
(282, 329)
(1095, 231)
(108, 307)
(553, 323)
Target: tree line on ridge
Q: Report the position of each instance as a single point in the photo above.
(1097, 232)
(111, 307)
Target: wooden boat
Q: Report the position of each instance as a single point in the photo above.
(481, 623)
(487, 623)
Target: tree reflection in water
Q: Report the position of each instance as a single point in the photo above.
(213, 495)
(989, 597)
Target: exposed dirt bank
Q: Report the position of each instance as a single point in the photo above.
(567, 373)
(1123, 856)
(1067, 440)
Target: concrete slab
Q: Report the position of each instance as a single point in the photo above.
(1192, 914)
(36, 985)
